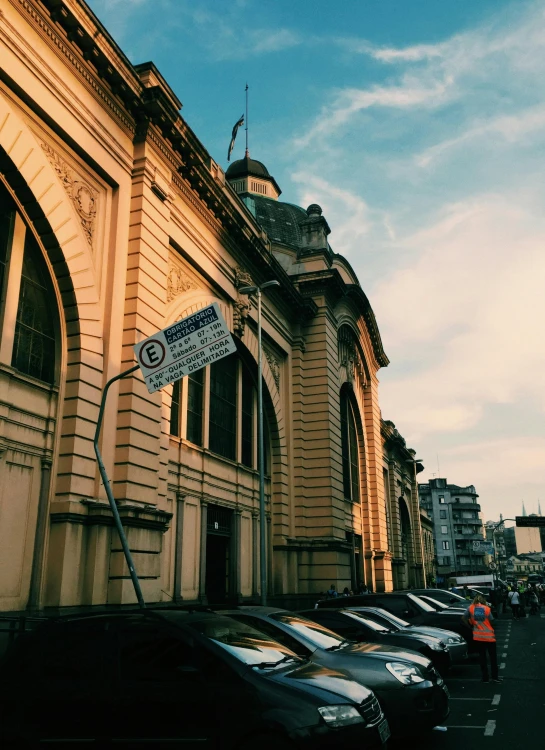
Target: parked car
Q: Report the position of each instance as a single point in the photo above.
(357, 627)
(456, 644)
(441, 607)
(409, 688)
(408, 607)
(186, 679)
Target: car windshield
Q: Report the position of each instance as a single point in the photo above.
(437, 605)
(420, 603)
(387, 617)
(318, 635)
(244, 642)
(362, 617)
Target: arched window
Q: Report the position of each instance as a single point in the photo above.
(350, 450)
(30, 347)
(227, 393)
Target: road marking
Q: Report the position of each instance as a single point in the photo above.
(502, 665)
(466, 726)
(468, 699)
(490, 728)
(504, 655)
(496, 700)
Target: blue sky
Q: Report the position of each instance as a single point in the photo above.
(419, 126)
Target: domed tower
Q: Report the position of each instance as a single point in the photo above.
(250, 177)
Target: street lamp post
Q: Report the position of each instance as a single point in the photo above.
(257, 290)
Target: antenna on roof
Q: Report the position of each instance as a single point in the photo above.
(247, 150)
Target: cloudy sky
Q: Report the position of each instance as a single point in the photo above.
(419, 126)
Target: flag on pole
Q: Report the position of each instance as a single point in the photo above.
(238, 125)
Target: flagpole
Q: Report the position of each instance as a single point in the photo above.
(247, 151)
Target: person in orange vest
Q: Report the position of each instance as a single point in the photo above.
(479, 618)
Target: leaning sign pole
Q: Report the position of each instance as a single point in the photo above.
(183, 347)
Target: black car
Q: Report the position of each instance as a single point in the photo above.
(186, 679)
(408, 607)
(408, 686)
(357, 627)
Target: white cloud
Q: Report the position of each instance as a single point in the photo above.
(510, 128)
(473, 301)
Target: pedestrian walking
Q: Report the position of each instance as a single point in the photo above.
(478, 617)
(514, 603)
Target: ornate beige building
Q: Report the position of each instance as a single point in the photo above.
(115, 222)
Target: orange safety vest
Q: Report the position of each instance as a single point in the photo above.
(479, 615)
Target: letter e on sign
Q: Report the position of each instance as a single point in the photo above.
(152, 354)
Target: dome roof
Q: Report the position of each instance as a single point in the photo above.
(246, 166)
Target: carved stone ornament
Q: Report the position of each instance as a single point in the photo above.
(83, 196)
(275, 369)
(178, 282)
(349, 357)
(242, 306)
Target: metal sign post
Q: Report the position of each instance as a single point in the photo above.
(184, 347)
(109, 493)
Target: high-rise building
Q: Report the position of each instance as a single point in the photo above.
(456, 526)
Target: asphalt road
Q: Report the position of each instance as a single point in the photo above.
(510, 716)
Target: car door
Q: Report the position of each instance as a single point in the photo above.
(173, 691)
(59, 684)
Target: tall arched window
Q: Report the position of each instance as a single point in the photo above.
(350, 450)
(227, 393)
(24, 277)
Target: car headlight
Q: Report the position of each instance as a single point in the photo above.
(404, 673)
(455, 640)
(340, 716)
(437, 646)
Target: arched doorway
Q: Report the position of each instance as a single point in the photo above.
(405, 544)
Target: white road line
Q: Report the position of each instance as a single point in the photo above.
(490, 728)
(466, 726)
(496, 700)
(504, 655)
(502, 665)
(468, 699)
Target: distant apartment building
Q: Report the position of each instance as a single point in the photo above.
(456, 526)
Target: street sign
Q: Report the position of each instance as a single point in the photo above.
(483, 547)
(492, 566)
(184, 347)
(530, 521)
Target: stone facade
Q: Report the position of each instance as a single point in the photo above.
(133, 226)
(405, 539)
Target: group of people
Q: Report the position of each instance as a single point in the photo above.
(519, 597)
(332, 592)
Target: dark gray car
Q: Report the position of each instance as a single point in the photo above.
(410, 690)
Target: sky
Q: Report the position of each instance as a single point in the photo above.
(419, 127)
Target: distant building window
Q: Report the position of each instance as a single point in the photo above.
(446, 545)
(442, 514)
(441, 499)
(444, 529)
(446, 560)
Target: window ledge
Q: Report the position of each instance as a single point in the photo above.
(14, 374)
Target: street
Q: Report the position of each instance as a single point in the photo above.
(508, 716)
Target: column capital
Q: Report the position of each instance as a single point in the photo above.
(180, 496)
(47, 462)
